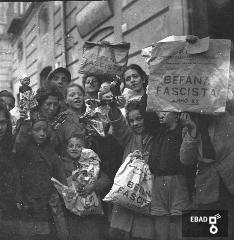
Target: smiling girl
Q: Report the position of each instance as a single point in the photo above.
(74, 98)
(91, 226)
(134, 134)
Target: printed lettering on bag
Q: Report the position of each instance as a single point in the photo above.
(189, 82)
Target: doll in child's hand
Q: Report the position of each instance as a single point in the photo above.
(104, 92)
(25, 85)
(190, 123)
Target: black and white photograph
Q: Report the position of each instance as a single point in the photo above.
(117, 120)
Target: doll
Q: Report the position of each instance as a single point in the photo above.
(24, 85)
(26, 97)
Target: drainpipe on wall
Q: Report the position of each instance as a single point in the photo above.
(197, 18)
(64, 30)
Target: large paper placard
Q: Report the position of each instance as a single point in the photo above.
(180, 81)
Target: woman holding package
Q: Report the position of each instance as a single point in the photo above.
(10, 196)
(135, 82)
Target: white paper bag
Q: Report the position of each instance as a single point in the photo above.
(132, 186)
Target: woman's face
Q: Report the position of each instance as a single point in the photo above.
(50, 107)
(92, 84)
(3, 125)
(75, 98)
(136, 121)
(133, 80)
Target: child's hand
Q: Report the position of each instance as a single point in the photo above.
(23, 113)
(121, 101)
(189, 123)
(107, 97)
(191, 39)
(88, 189)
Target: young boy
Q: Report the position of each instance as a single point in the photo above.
(91, 226)
(170, 195)
(37, 164)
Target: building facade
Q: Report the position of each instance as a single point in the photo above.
(47, 35)
(5, 50)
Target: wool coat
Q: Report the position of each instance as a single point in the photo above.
(91, 226)
(139, 225)
(37, 164)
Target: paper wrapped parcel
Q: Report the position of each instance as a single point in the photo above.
(132, 186)
(188, 77)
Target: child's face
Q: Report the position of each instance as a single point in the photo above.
(39, 132)
(25, 81)
(74, 147)
(91, 84)
(60, 80)
(50, 107)
(168, 118)
(136, 121)
(75, 98)
(104, 91)
(105, 87)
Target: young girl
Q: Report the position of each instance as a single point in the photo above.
(91, 226)
(74, 98)
(91, 85)
(136, 135)
(140, 135)
(37, 164)
(170, 195)
(136, 80)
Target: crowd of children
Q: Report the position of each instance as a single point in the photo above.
(54, 141)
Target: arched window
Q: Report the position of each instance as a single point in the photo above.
(44, 20)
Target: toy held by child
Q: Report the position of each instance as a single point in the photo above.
(83, 167)
(85, 183)
(27, 99)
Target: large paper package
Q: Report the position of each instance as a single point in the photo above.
(132, 186)
(189, 77)
(86, 173)
(104, 58)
